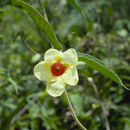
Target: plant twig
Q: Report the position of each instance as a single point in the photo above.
(22, 39)
(73, 112)
(101, 104)
(43, 10)
(22, 111)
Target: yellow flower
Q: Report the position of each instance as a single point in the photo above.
(58, 69)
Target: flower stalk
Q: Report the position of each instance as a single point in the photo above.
(73, 112)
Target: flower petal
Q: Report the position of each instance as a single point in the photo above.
(56, 88)
(70, 56)
(71, 76)
(51, 54)
(42, 72)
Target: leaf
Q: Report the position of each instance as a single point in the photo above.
(14, 84)
(77, 101)
(2, 71)
(42, 23)
(1, 36)
(75, 4)
(9, 118)
(98, 65)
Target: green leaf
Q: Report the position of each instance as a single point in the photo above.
(75, 4)
(98, 65)
(9, 118)
(14, 84)
(77, 101)
(1, 36)
(2, 71)
(42, 23)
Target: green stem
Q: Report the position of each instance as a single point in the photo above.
(43, 10)
(73, 112)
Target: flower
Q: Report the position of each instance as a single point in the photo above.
(58, 69)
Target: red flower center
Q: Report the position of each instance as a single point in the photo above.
(58, 69)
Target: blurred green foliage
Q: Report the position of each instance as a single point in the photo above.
(104, 33)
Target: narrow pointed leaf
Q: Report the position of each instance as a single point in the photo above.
(75, 4)
(98, 65)
(8, 119)
(42, 23)
(14, 84)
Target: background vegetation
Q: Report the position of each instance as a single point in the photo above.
(103, 33)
